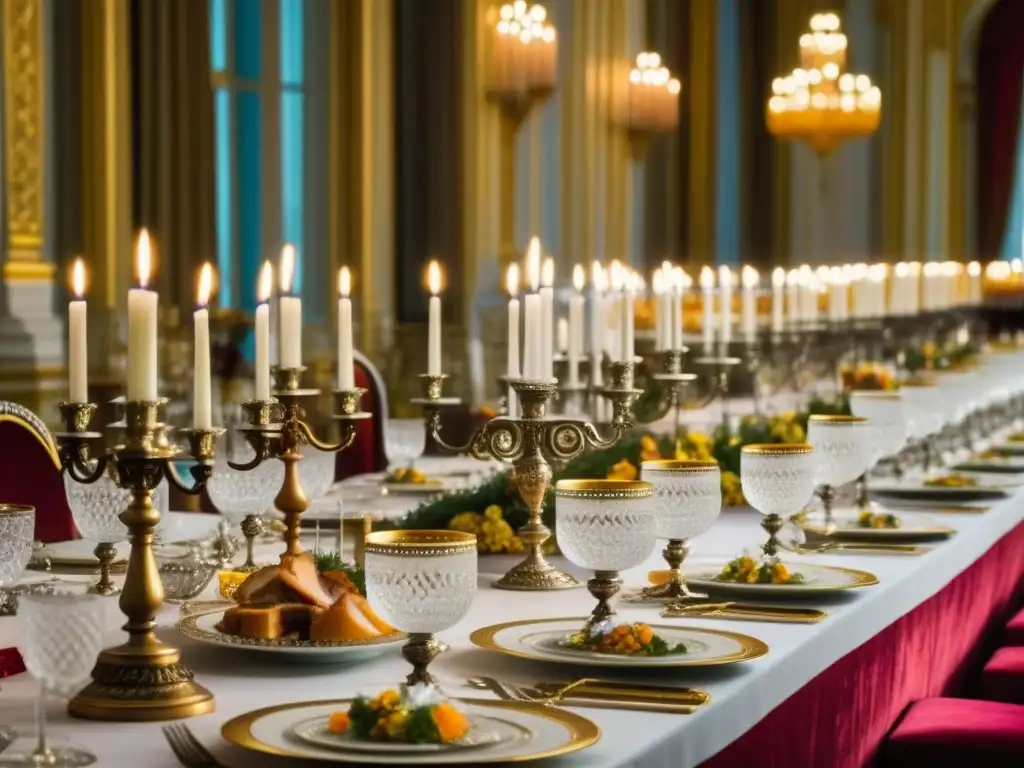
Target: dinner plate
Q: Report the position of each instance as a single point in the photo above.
(913, 527)
(534, 732)
(544, 640)
(819, 578)
(484, 731)
(428, 488)
(202, 627)
(79, 553)
(989, 488)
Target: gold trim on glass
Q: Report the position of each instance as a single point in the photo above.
(679, 465)
(836, 418)
(589, 489)
(425, 543)
(582, 732)
(777, 449)
(751, 647)
(44, 439)
(15, 510)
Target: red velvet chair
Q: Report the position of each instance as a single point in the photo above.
(953, 733)
(366, 454)
(1014, 634)
(30, 472)
(1003, 676)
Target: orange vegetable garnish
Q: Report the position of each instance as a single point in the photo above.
(451, 724)
(339, 722)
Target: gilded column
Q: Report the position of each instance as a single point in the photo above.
(702, 112)
(956, 238)
(30, 335)
(894, 18)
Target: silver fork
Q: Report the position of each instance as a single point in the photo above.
(187, 749)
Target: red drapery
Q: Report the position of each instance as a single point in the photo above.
(1000, 77)
(841, 717)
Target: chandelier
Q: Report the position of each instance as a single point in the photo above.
(652, 106)
(821, 103)
(524, 53)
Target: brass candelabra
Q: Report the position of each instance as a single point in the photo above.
(143, 679)
(277, 428)
(530, 443)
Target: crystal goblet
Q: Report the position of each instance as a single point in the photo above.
(778, 480)
(886, 411)
(17, 528)
(96, 509)
(61, 636)
(687, 501)
(845, 447)
(421, 582)
(605, 526)
(404, 440)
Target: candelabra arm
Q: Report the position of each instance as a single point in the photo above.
(475, 447)
(82, 469)
(348, 434)
(246, 466)
(200, 474)
(595, 440)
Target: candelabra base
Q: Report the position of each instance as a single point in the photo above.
(141, 682)
(536, 574)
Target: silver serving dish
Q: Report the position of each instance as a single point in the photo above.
(184, 571)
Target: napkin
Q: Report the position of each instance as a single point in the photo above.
(11, 662)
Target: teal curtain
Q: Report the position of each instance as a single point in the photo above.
(1013, 239)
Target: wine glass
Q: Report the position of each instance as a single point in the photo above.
(61, 636)
(421, 582)
(404, 440)
(96, 509)
(17, 529)
(687, 501)
(778, 480)
(844, 445)
(885, 410)
(605, 526)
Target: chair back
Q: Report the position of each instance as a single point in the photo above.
(366, 454)
(30, 472)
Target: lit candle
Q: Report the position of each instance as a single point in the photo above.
(532, 361)
(434, 318)
(576, 307)
(681, 283)
(512, 360)
(346, 363)
(808, 294)
(202, 387)
(660, 320)
(262, 331)
(78, 347)
(707, 284)
(725, 281)
(778, 298)
(289, 344)
(599, 283)
(617, 278)
(748, 318)
(793, 296)
(631, 286)
(974, 286)
(142, 324)
(547, 308)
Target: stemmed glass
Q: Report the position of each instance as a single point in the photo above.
(687, 501)
(421, 582)
(885, 410)
(605, 526)
(844, 445)
(17, 527)
(96, 509)
(61, 636)
(404, 440)
(778, 480)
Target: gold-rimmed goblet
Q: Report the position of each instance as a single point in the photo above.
(605, 526)
(778, 480)
(687, 501)
(845, 447)
(421, 582)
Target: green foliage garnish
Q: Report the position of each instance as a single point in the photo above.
(658, 647)
(333, 561)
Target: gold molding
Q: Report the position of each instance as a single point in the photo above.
(701, 115)
(24, 151)
(17, 271)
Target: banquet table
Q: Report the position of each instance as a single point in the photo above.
(825, 694)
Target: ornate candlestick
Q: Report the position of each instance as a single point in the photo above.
(276, 428)
(143, 679)
(674, 383)
(530, 442)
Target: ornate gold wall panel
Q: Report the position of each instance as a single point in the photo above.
(24, 151)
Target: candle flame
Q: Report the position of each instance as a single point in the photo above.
(547, 273)
(725, 276)
(680, 279)
(266, 282)
(344, 282)
(600, 278)
(434, 277)
(287, 274)
(974, 269)
(512, 280)
(658, 281)
(750, 277)
(579, 278)
(205, 289)
(616, 277)
(707, 277)
(778, 277)
(596, 273)
(78, 278)
(533, 263)
(143, 259)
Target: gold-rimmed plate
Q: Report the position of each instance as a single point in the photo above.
(818, 579)
(846, 527)
(545, 640)
(984, 489)
(536, 732)
(202, 627)
(426, 488)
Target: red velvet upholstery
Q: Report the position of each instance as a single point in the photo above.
(366, 454)
(1014, 634)
(1003, 676)
(953, 733)
(30, 474)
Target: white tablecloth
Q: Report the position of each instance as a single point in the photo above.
(741, 695)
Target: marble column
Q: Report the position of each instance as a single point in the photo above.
(31, 338)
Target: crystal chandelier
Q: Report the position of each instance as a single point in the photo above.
(653, 102)
(821, 103)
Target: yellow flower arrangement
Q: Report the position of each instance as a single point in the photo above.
(786, 428)
(732, 490)
(649, 450)
(493, 533)
(624, 470)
